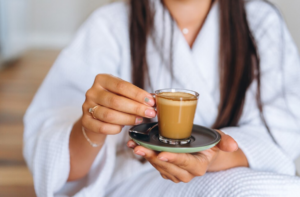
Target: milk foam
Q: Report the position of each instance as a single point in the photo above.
(177, 98)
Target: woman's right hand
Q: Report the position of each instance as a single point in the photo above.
(119, 103)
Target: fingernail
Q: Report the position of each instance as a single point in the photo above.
(150, 113)
(149, 101)
(140, 153)
(131, 144)
(138, 120)
(163, 159)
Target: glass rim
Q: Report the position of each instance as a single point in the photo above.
(177, 90)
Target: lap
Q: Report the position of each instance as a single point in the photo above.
(233, 182)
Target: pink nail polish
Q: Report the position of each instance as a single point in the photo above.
(138, 120)
(140, 153)
(163, 159)
(150, 113)
(131, 144)
(149, 101)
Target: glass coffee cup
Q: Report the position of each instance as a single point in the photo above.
(175, 112)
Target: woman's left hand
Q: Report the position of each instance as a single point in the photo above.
(183, 167)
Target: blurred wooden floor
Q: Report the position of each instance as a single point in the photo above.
(18, 84)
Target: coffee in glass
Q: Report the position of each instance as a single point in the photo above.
(175, 110)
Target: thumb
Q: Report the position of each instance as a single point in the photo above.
(227, 143)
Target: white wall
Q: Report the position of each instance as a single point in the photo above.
(13, 29)
(54, 22)
(291, 14)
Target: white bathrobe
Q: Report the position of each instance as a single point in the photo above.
(102, 46)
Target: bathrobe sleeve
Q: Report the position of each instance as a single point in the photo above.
(280, 92)
(58, 103)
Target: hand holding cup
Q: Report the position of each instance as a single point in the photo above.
(117, 102)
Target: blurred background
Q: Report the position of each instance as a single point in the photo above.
(32, 33)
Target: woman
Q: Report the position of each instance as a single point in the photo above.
(238, 55)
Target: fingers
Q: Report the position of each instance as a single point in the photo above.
(227, 143)
(124, 88)
(97, 126)
(167, 176)
(118, 103)
(107, 115)
(131, 144)
(171, 171)
(175, 174)
(195, 165)
(122, 104)
(145, 152)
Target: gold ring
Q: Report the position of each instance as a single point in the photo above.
(92, 110)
